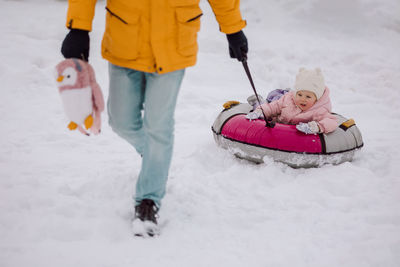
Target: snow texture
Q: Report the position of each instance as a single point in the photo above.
(66, 199)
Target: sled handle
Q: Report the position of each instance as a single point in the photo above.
(268, 121)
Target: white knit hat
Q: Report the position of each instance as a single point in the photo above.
(310, 80)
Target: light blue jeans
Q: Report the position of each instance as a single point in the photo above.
(151, 134)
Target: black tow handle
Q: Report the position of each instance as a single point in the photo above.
(268, 121)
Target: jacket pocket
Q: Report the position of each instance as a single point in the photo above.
(121, 37)
(188, 22)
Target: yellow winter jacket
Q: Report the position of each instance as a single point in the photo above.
(153, 35)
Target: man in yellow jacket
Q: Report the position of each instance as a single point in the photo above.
(148, 45)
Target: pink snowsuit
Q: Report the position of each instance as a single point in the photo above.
(287, 112)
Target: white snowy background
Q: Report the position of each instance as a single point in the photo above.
(65, 198)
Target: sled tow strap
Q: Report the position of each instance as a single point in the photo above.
(268, 121)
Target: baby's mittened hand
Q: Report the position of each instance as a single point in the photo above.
(257, 113)
(253, 101)
(308, 128)
(313, 127)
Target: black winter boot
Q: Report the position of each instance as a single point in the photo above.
(145, 222)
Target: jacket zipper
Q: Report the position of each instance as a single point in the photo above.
(115, 15)
(198, 16)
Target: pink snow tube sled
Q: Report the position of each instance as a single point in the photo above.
(253, 140)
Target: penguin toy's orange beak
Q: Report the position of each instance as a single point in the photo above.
(60, 78)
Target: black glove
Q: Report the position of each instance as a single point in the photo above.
(238, 45)
(76, 44)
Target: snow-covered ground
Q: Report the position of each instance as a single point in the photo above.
(65, 199)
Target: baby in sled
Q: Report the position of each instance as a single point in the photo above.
(308, 105)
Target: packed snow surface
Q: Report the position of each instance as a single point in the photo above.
(66, 199)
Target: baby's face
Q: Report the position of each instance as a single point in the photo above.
(305, 99)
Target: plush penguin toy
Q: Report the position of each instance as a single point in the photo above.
(80, 94)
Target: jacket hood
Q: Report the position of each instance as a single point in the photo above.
(323, 102)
